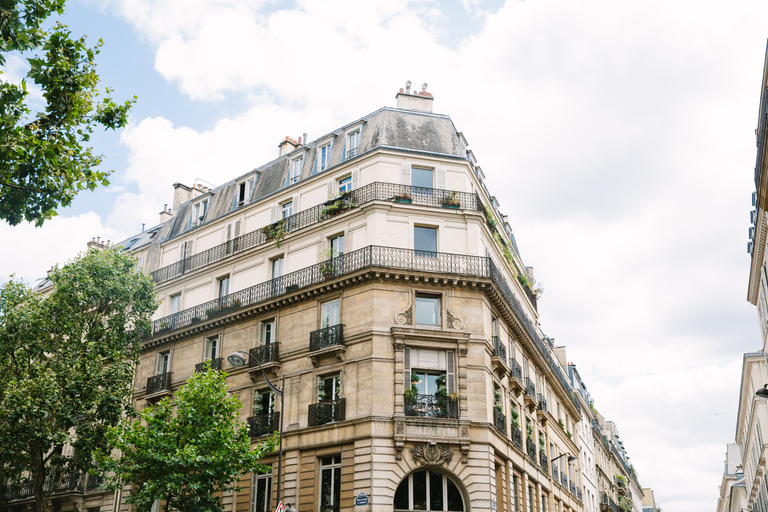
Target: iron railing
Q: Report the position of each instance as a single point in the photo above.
(431, 406)
(564, 478)
(263, 424)
(516, 370)
(326, 412)
(264, 354)
(530, 447)
(26, 489)
(555, 476)
(578, 494)
(500, 421)
(517, 436)
(94, 482)
(159, 383)
(543, 461)
(215, 365)
(603, 498)
(352, 153)
(499, 349)
(613, 505)
(572, 486)
(542, 403)
(328, 337)
(530, 387)
(377, 191)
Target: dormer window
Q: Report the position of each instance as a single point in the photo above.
(295, 170)
(245, 191)
(197, 215)
(353, 142)
(324, 157)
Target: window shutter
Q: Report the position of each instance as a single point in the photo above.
(159, 364)
(440, 171)
(296, 204)
(273, 214)
(229, 232)
(450, 376)
(331, 192)
(355, 179)
(237, 229)
(407, 371)
(405, 174)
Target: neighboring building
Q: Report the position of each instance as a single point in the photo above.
(586, 442)
(732, 491)
(373, 270)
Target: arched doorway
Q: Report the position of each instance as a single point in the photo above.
(428, 490)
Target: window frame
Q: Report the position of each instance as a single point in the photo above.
(339, 242)
(408, 482)
(327, 161)
(420, 188)
(163, 355)
(335, 474)
(423, 252)
(336, 394)
(428, 295)
(329, 303)
(175, 308)
(286, 206)
(295, 167)
(263, 325)
(256, 478)
(220, 281)
(344, 184)
(354, 134)
(212, 348)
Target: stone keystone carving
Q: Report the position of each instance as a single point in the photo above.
(432, 454)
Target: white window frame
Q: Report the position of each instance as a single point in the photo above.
(344, 184)
(429, 295)
(333, 467)
(330, 305)
(268, 325)
(212, 348)
(287, 206)
(353, 135)
(165, 355)
(255, 479)
(294, 170)
(336, 244)
(219, 282)
(320, 161)
(175, 301)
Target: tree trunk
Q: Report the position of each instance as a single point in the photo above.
(38, 479)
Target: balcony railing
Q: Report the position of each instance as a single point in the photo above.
(517, 436)
(530, 447)
(263, 424)
(431, 406)
(71, 482)
(530, 387)
(543, 461)
(500, 421)
(94, 482)
(555, 476)
(159, 383)
(572, 485)
(326, 412)
(517, 370)
(499, 349)
(613, 505)
(215, 365)
(542, 403)
(377, 191)
(564, 479)
(578, 494)
(264, 354)
(328, 337)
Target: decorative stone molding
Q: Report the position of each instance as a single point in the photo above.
(463, 352)
(432, 454)
(405, 317)
(454, 322)
(464, 452)
(399, 445)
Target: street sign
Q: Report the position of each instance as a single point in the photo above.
(361, 499)
(279, 507)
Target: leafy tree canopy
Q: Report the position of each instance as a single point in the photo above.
(44, 157)
(185, 458)
(66, 365)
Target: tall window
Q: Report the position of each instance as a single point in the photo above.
(425, 241)
(263, 403)
(428, 490)
(175, 303)
(296, 169)
(277, 267)
(329, 313)
(345, 184)
(337, 245)
(422, 178)
(515, 493)
(268, 331)
(261, 492)
(427, 309)
(531, 498)
(163, 362)
(330, 483)
(223, 286)
(329, 388)
(212, 348)
(324, 157)
(198, 213)
(286, 210)
(353, 143)
(245, 190)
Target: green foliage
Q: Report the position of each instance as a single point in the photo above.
(621, 480)
(625, 504)
(67, 363)
(45, 160)
(276, 230)
(186, 457)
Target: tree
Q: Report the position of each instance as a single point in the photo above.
(44, 157)
(185, 458)
(67, 362)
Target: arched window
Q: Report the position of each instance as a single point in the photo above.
(428, 490)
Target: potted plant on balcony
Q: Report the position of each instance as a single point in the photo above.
(404, 198)
(541, 441)
(410, 393)
(515, 416)
(328, 263)
(321, 396)
(562, 425)
(211, 312)
(451, 200)
(275, 231)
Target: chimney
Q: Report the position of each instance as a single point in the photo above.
(304, 138)
(421, 101)
(95, 244)
(287, 145)
(166, 214)
(181, 194)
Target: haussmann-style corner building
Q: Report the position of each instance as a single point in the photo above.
(372, 269)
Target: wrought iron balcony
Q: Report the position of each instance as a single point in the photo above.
(572, 485)
(159, 383)
(264, 424)
(530, 387)
(499, 349)
(94, 482)
(603, 498)
(377, 191)
(431, 406)
(516, 370)
(543, 461)
(564, 479)
(517, 436)
(215, 365)
(542, 403)
(326, 412)
(68, 483)
(500, 421)
(264, 354)
(352, 153)
(613, 505)
(328, 337)
(578, 494)
(555, 475)
(530, 447)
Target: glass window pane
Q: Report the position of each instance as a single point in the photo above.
(336, 487)
(435, 491)
(422, 382)
(427, 310)
(420, 490)
(421, 177)
(326, 491)
(401, 496)
(432, 383)
(424, 239)
(455, 503)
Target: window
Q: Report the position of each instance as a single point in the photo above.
(175, 303)
(531, 503)
(353, 143)
(268, 331)
(199, 210)
(430, 375)
(427, 309)
(296, 165)
(336, 244)
(428, 490)
(425, 241)
(330, 483)
(186, 250)
(515, 493)
(429, 382)
(155, 506)
(345, 184)
(422, 178)
(324, 157)
(163, 362)
(244, 192)
(286, 210)
(329, 388)
(261, 492)
(543, 503)
(494, 326)
(263, 403)
(329, 313)
(277, 267)
(222, 285)
(212, 348)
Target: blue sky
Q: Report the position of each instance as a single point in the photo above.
(618, 137)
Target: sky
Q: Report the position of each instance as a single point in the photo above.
(617, 136)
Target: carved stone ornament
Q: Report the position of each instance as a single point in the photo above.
(464, 431)
(432, 454)
(405, 317)
(454, 322)
(399, 445)
(399, 428)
